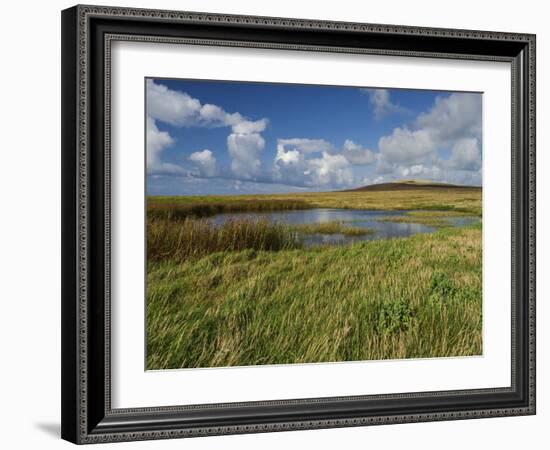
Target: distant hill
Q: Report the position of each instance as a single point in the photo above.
(404, 185)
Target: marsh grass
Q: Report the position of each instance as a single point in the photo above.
(435, 218)
(190, 238)
(174, 208)
(181, 240)
(433, 221)
(438, 213)
(450, 200)
(386, 299)
(248, 293)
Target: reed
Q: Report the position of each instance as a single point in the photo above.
(190, 238)
(175, 209)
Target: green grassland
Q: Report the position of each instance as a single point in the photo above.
(454, 200)
(248, 292)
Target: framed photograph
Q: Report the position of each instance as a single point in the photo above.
(279, 224)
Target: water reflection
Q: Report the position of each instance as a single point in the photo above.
(349, 217)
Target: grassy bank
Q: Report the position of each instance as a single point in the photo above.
(402, 298)
(176, 208)
(434, 218)
(445, 200)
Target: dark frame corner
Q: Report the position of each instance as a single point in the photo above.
(87, 31)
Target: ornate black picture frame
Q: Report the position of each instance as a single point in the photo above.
(87, 34)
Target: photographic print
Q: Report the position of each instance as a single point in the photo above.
(275, 205)
(293, 224)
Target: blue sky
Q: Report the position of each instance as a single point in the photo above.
(214, 137)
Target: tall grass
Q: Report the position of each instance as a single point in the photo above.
(181, 240)
(189, 238)
(247, 292)
(387, 299)
(174, 208)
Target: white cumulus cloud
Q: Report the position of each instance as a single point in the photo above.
(181, 110)
(249, 127)
(406, 146)
(245, 150)
(311, 162)
(331, 170)
(173, 107)
(305, 145)
(454, 117)
(454, 123)
(157, 141)
(381, 102)
(465, 155)
(205, 161)
(357, 154)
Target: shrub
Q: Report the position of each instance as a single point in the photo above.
(394, 317)
(441, 289)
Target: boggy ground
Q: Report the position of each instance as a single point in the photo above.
(248, 293)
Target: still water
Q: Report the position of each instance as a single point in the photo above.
(348, 217)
